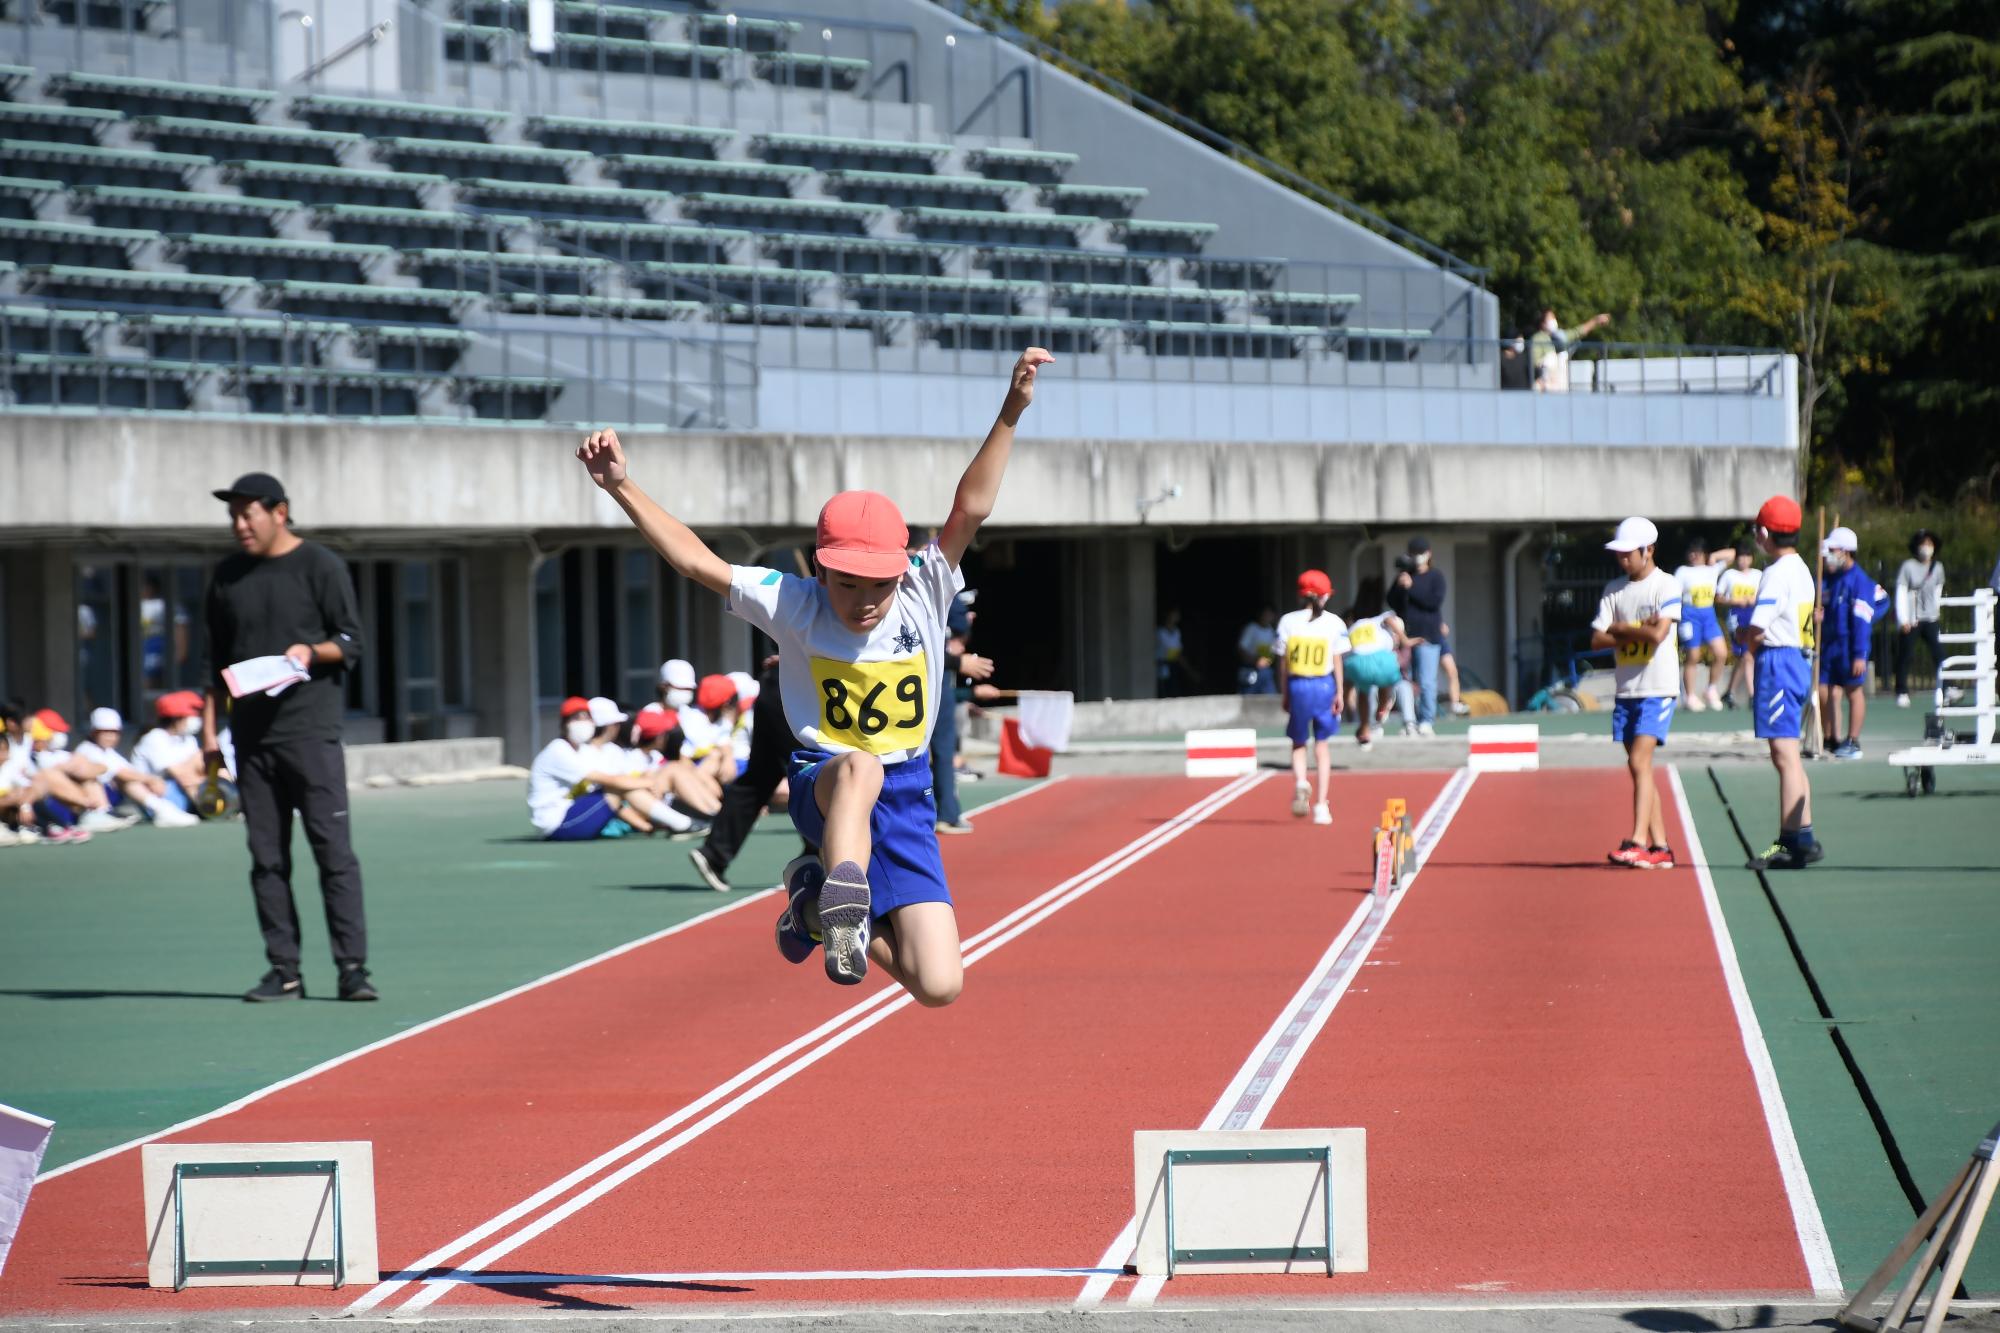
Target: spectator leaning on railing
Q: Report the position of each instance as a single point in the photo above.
(1548, 350)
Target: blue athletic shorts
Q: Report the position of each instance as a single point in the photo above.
(905, 867)
(1698, 626)
(588, 816)
(1836, 667)
(1782, 686)
(1739, 617)
(1314, 712)
(1372, 671)
(1642, 717)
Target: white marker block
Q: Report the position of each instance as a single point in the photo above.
(1252, 1205)
(1226, 753)
(1512, 747)
(281, 1219)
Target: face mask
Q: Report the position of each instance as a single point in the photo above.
(1926, 552)
(59, 741)
(578, 730)
(189, 726)
(679, 698)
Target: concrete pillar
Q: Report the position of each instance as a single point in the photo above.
(40, 639)
(1113, 633)
(1478, 625)
(500, 590)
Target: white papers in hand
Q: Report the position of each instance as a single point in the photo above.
(263, 675)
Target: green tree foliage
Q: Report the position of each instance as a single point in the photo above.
(1824, 174)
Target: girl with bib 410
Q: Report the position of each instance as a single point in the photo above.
(861, 659)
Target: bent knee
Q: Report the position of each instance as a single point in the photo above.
(937, 992)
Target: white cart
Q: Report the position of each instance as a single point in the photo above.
(1973, 672)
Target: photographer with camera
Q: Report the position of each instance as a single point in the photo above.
(1417, 598)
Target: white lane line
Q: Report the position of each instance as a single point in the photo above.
(785, 1275)
(428, 1025)
(803, 1052)
(971, 815)
(1247, 1100)
(1821, 1268)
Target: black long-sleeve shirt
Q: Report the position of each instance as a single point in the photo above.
(258, 607)
(1421, 605)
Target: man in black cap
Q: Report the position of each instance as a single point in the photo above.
(1417, 596)
(281, 594)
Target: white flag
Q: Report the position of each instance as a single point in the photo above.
(23, 1140)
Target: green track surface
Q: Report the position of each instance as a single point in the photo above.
(123, 960)
(1900, 927)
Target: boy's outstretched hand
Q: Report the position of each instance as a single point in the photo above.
(1021, 387)
(603, 457)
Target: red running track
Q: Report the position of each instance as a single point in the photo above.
(1550, 1072)
(996, 1133)
(470, 1117)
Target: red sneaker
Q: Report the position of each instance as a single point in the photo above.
(1655, 858)
(1628, 854)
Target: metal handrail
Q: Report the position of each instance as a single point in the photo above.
(1222, 143)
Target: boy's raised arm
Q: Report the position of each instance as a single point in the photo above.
(603, 457)
(980, 486)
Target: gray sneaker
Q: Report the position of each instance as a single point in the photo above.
(801, 882)
(1847, 749)
(843, 923)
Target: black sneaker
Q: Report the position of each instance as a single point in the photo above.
(355, 985)
(276, 985)
(1780, 856)
(711, 876)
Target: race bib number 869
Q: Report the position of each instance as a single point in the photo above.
(879, 707)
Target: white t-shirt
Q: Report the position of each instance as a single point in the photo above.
(1697, 585)
(1311, 645)
(557, 777)
(1643, 671)
(1372, 634)
(112, 760)
(159, 750)
(52, 758)
(18, 770)
(1784, 609)
(1257, 640)
(1737, 589)
(878, 691)
(699, 733)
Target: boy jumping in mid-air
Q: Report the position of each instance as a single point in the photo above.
(1308, 650)
(1780, 630)
(861, 671)
(1638, 616)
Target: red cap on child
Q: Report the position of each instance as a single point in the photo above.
(655, 722)
(1315, 583)
(715, 692)
(575, 704)
(863, 533)
(1780, 514)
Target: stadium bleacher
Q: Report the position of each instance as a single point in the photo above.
(402, 233)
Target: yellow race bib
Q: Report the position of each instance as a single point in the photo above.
(1635, 654)
(1808, 631)
(1365, 638)
(879, 707)
(1308, 657)
(1701, 596)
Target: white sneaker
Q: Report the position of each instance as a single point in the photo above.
(103, 821)
(1322, 815)
(1366, 744)
(1902, 701)
(1714, 699)
(167, 816)
(1694, 704)
(1426, 729)
(1460, 708)
(1301, 800)
(8, 838)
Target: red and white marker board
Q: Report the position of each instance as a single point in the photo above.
(1221, 754)
(1510, 747)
